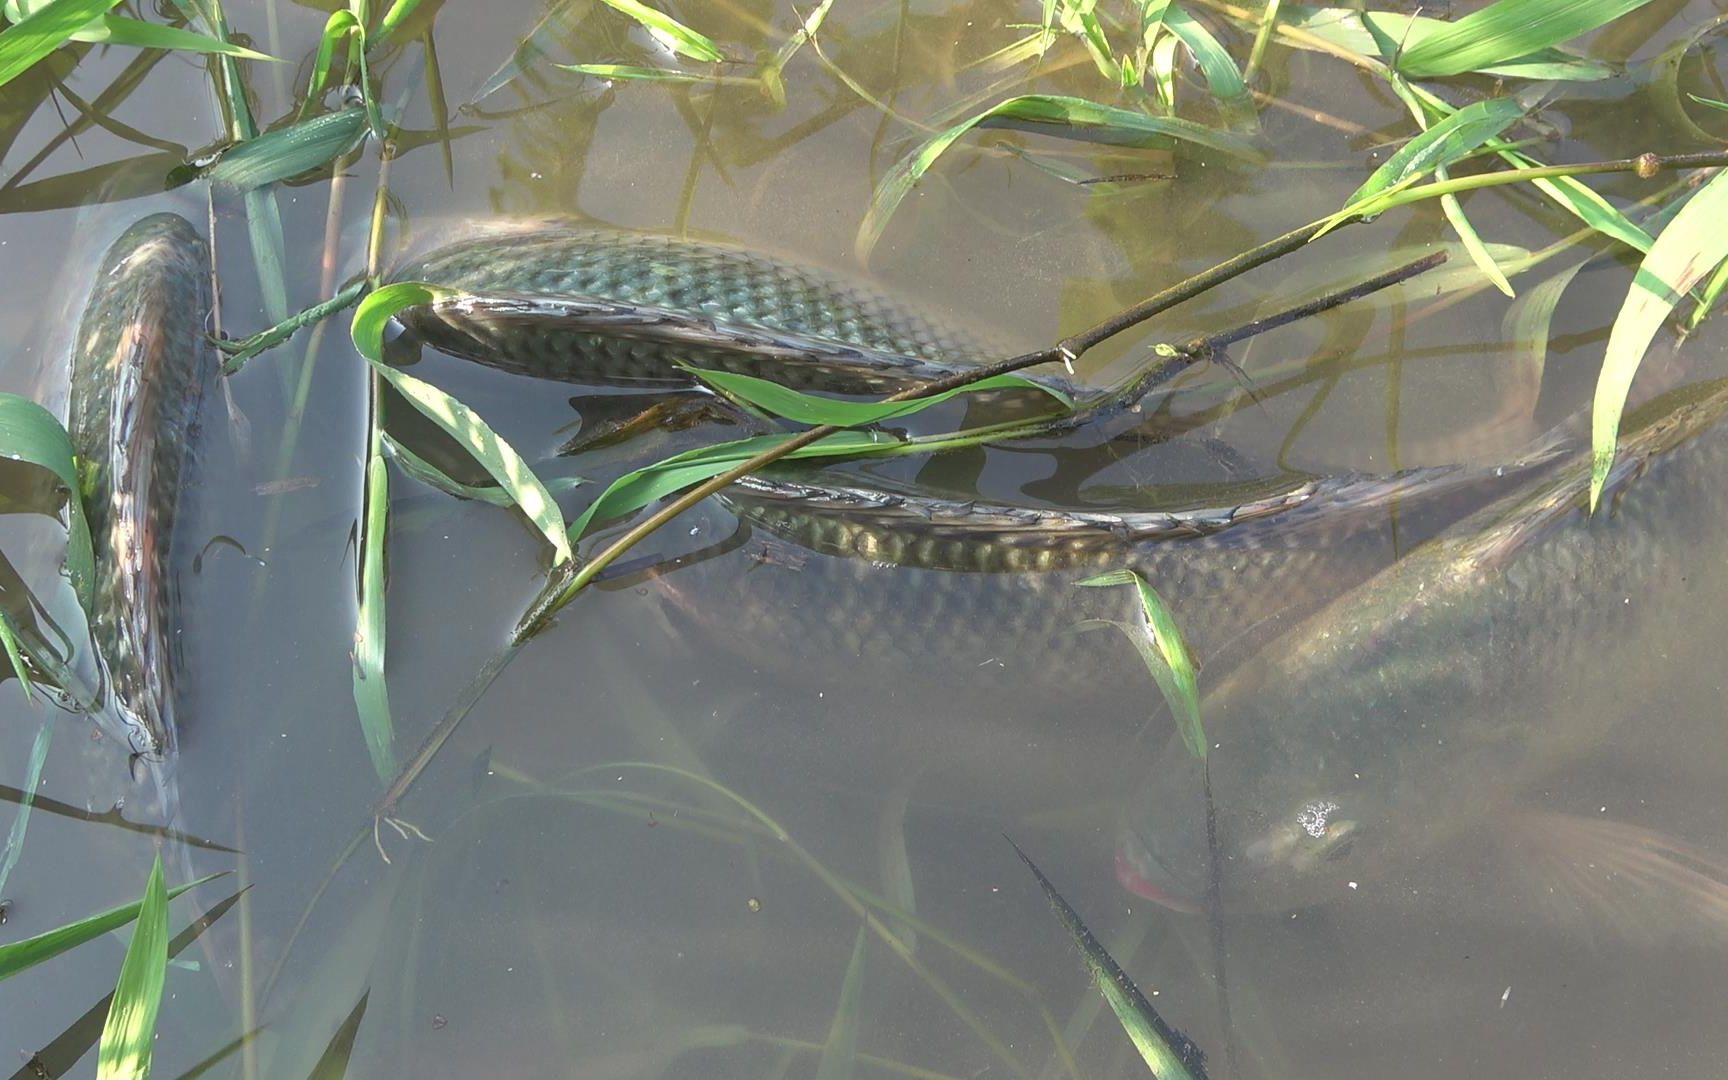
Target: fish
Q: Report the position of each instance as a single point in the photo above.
(141, 364)
(1410, 721)
(606, 306)
(889, 582)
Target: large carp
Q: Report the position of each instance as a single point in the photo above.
(1425, 716)
(140, 366)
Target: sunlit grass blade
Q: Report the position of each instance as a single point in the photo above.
(432, 476)
(17, 956)
(44, 30)
(338, 29)
(1216, 66)
(1707, 300)
(1712, 102)
(1181, 687)
(119, 30)
(804, 408)
(27, 798)
(28, 432)
(1580, 200)
(290, 151)
(400, 12)
(1692, 246)
(772, 72)
(1170, 1054)
(1060, 116)
(129, 1035)
(1506, 30)
(839, 1060)
(1381, 34)
(9, 638)
(1449, 204)
(1453, 138)
(1262, 37)
(496, 456)
(638, 488)
(631, 73)
(680, 38)
(371, 690)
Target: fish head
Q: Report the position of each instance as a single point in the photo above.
(1292, 820)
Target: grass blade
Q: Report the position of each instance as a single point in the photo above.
(28, 432)
(17, 956)
(1216, 67)
(803, 408)
(772, 72)
(681, 39)
(27, 800)
(631, 73)
(1453, 138)
(290, 151)
(1181, 689)
(129, 1034)
(371, 691)
(839, 1059)
(1048, 114)
(1381, 33)
(9, 638)
(44, 30)
(496, 456)
(1170, 1054)
(119, 30)
(1684, 254)
(1506, 30)
(432, 476)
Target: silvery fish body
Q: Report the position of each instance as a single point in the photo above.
(140, 366)
(596, 305)
(1419, 713)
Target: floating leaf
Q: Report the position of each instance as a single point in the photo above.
(463, 424)
(44, 30)
(682, 39)
(1170, 1054)
(129, 1035)
(1172, 666)
(1047, 114)
(1504, 31)
(803, 408)
(28, 432)
(1689, 249)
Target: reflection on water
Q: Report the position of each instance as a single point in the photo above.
(657, 837)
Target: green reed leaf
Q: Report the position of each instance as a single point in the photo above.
(1580, 200)
(42, 31)
(631, 73)
(28, 432)
(371, 689)
(290, 151)
(14, 656)
(1216, 66)
(1160, 632)
(1712, 102)
(839, 1060)
(1168, 1053)
(682, 39)
(802, 408)
(1456, 137)
(461, 423)
(772, 72)
(17, 956)
(338, 28)
(119, 30)
(129, 1035)
(432, 476)
(1504, 31)
(400, 12)
(1380, 34)
(1047, 114)
(1692, 245)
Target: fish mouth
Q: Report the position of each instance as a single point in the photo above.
(1129, 877)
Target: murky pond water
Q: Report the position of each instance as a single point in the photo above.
(740, 811)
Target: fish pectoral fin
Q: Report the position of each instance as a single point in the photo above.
(1637, 882)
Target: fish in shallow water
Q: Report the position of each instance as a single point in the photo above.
(140, 366)
(597, 305)
(1424, 719)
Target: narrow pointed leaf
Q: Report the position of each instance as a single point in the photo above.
(44, 30)
(371, 690)
(1183, 689)
(129, 1035)
(120, 30)
(1170, 1054)
(17, 956)
(28, 432)
(805, 408)
(1692, 245)
(1381, 34)
(839, 1060)
(1456, 137)
(682, 39)
(1506, 30)
(290, 151)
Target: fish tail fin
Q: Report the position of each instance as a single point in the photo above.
(1637, 882)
